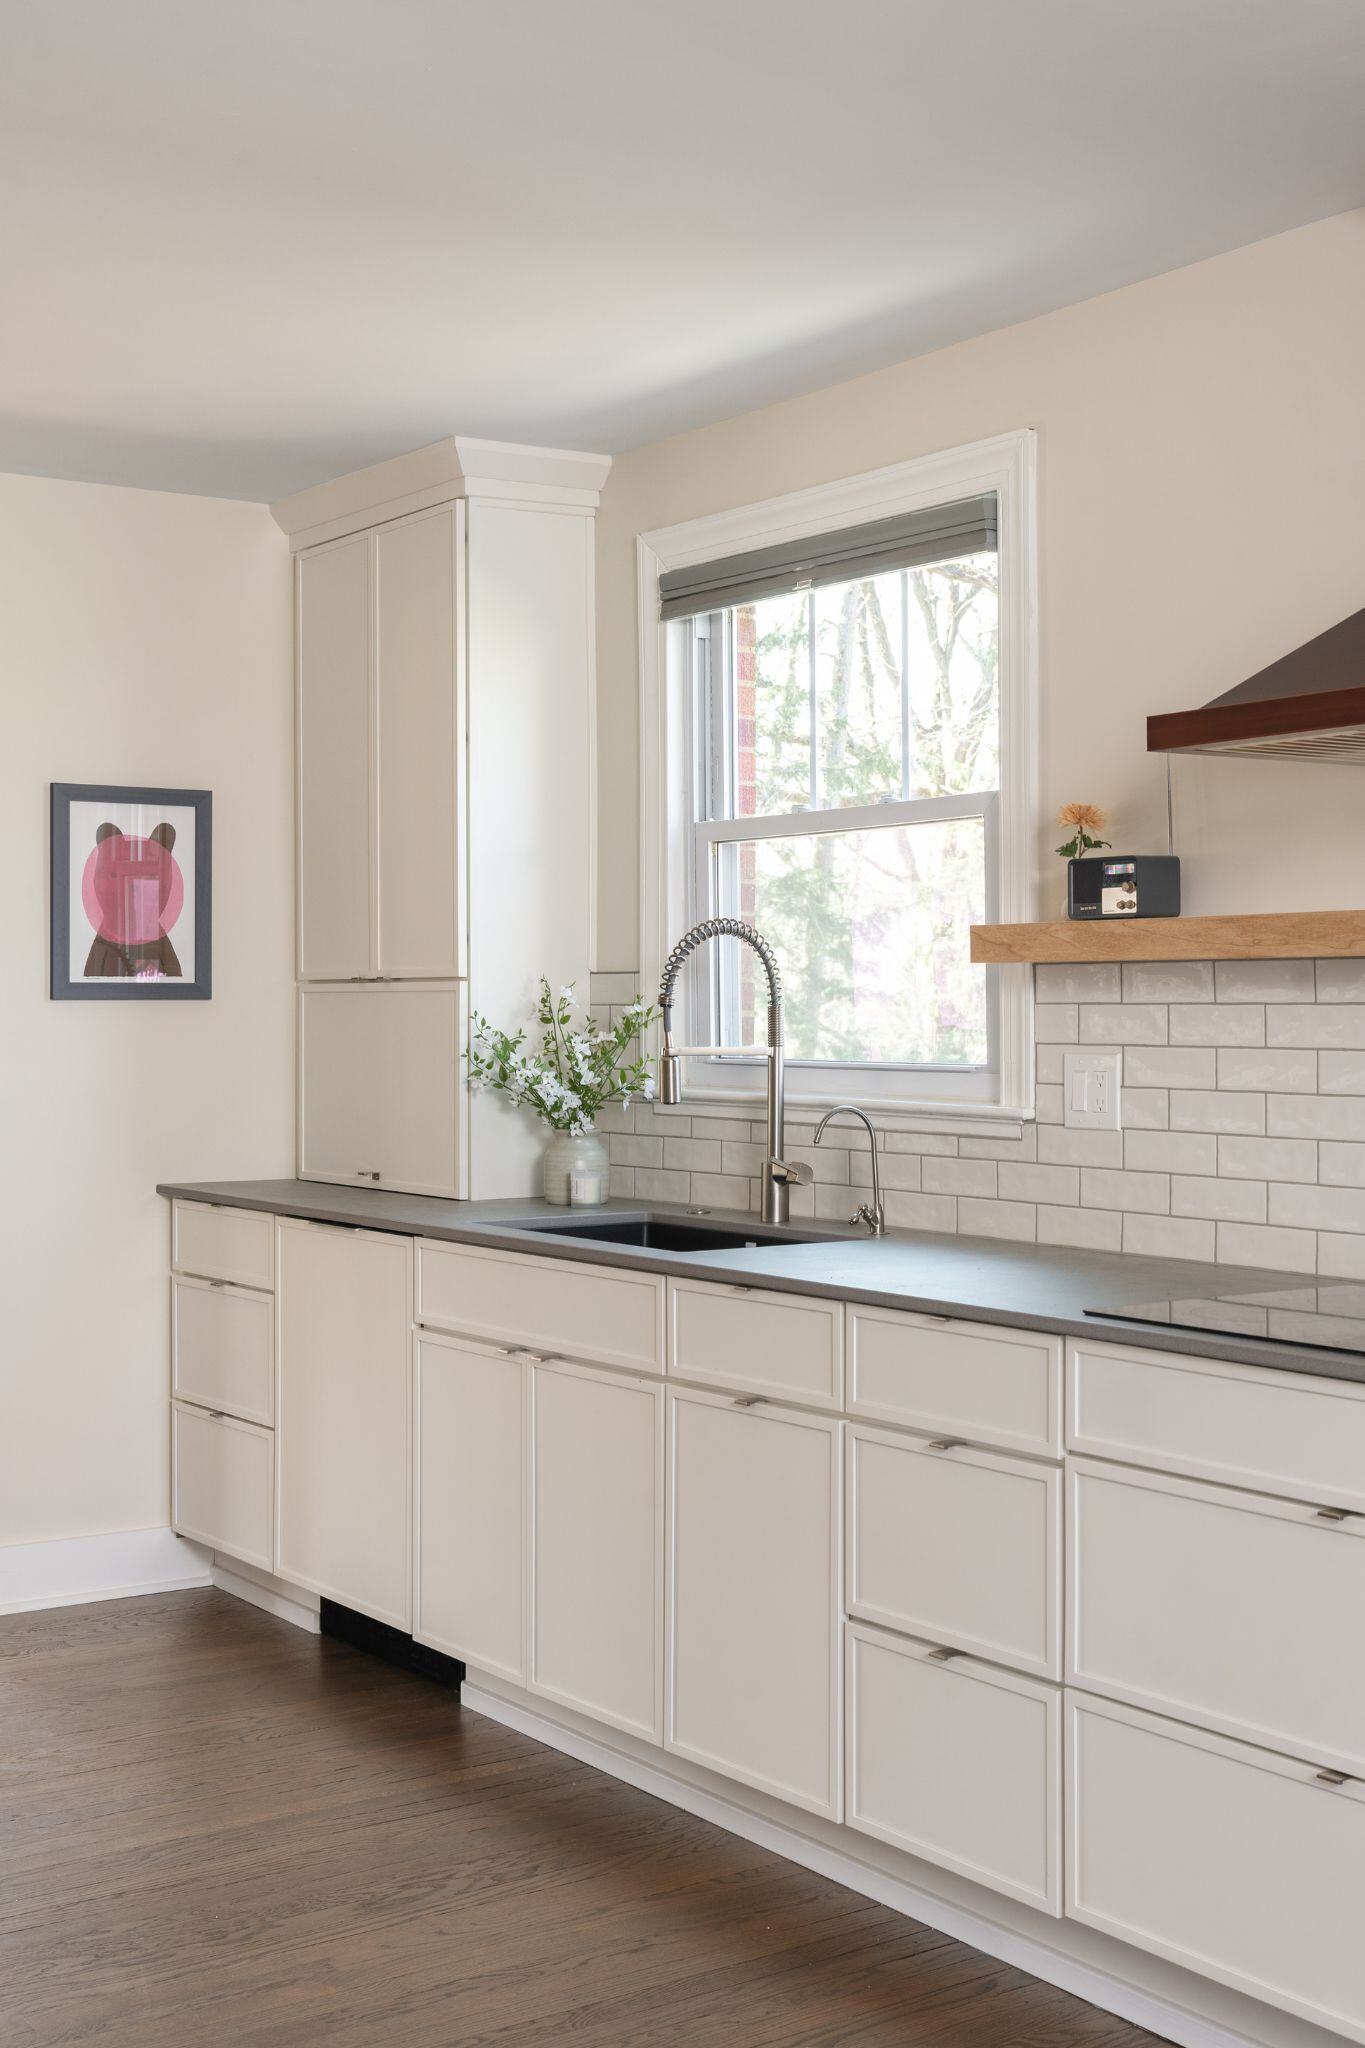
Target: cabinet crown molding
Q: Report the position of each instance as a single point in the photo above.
(458, 466)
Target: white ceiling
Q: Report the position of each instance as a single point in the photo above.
(249, 244)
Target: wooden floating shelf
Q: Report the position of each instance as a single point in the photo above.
(1276, 935)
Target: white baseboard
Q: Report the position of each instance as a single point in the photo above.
(274, 1596)
(69, 1571)
(1128, 2001)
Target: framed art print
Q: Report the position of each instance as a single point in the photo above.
(132, 899)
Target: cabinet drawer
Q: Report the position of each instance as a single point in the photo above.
(784, 1345)
(223, 1483)
(994, 1386)
(956, 1762)
(959, 1546)
(1225, 1608)
(223, 1348)
(1237, 1863)
(555, 1305)
(1284, 1432)
(223, 1244)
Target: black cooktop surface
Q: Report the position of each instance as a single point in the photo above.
(1328, 1313)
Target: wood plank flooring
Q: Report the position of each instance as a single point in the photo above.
(217, 1832)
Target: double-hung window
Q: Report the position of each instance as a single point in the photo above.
(843, 705)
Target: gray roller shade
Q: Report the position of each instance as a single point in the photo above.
(911, 539)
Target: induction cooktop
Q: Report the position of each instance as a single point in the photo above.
(1329, 1314)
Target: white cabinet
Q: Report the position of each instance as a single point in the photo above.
(379, 731)
(1229, 1609)
(600, 1314)
(957, 1762)
(220, 1243)
(597, 1469)
(1243, 1865)
(787, 1345)
(343, 1421)
(380, 1093)
(958, 1546)
(223, 1348)
(974, 1380)
(223, 1471)
(469, 1592)
(753, 1678)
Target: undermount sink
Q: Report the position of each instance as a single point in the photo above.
(674, 1233)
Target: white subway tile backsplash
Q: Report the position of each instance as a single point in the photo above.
(1018, 1220)
(1264, 981)
(1331, 1024)
(1147, 1193)
(1242, 1106)
(1204, 1109)
(621, 1183)
(1093, 1230)
(1263, 1068)
(1056, 1023)
(1170, 1066)
(1222, 1201)
(1247, 1244)
(1217, 1024)
(1171, 1151)
(1167, 981)
(1094, 982)
(1123, 1024)
(1168, 1237)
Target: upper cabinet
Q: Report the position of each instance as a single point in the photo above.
(445, 775)
(380, 731)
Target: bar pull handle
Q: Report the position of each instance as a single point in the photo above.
(1331, 1777)
(945, 1443)
(1331, 1514)
(941, 1656)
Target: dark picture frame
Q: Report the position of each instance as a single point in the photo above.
(133, 964)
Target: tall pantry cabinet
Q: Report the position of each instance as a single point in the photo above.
(444, 674)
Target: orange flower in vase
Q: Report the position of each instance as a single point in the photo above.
(1086, 823)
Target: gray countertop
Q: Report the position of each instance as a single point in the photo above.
(1038, 1287)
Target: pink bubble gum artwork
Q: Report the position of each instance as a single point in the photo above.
(133, 893)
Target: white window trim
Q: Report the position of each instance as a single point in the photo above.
(1006, 465)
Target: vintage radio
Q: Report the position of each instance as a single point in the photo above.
(1133, 885)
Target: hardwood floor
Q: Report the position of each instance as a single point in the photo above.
(217, 1832)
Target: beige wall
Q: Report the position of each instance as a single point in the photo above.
(144, 638)
(1201, 448)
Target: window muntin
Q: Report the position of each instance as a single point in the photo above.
(846, 801)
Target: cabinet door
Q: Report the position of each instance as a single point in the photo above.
(334, 747)
(221, 1482)
(416, 762)
(380, 1092)
(470, 1580)
(753, 1602)
(343, 1430)
(597, 1544)
(1245, 1866)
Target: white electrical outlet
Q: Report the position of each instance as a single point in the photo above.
(1091, 1082)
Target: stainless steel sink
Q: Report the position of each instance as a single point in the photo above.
(674, 1233)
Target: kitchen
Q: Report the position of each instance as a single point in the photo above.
(853, 1544)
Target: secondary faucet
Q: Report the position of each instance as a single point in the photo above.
(779, 1175)
(871, 1213)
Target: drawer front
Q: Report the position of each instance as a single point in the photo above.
(1224, 1608)
(1235, 1862)
(963, 1379)
(1284, 1432)
(784, 1345)
(553, 1305)
(957, 1763)
(223, 1348)
(959, 1547)
(223, 1244)
(223, 1483)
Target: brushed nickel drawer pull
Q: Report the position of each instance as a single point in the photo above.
(1331, 1777)
(942, 1656)
(1332, 1514)
(750, 1400)
(946, 1443)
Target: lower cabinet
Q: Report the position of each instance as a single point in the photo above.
(596, 1543)
(1244, 1865)
(957, 1762)
(469, 1593)
(224, 1472)
(753, 1613)
(343, 1426)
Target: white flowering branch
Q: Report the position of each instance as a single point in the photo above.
(575, 1072)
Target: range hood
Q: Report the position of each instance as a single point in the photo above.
(1308, 706)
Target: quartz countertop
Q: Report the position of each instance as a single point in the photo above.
(1038, 1287)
